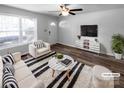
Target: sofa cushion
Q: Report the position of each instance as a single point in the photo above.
(19, 65)
(41, 50)
(27, 81)
(22, 73)
(8, 59)
(8, 80)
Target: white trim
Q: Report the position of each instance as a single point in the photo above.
(110, 54)
(14, 45)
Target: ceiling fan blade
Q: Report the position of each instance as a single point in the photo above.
(72, 13)
(66, 4)
(76, 9)
(60, 14)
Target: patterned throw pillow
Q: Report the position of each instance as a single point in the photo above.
(9, 67)
(8, 59)
(44, 44)
(39, 44)
(9, 80)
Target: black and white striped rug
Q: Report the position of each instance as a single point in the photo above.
(80, 74)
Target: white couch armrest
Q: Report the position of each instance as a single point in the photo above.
(47, 45)
(17, 56)
(38, 84)
(33, 50)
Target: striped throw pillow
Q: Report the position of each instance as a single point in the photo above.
(9, 67)
(9, 80)
(39, 44)
(8, 59)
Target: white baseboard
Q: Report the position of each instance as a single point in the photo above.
(110, 54)
(67, 45)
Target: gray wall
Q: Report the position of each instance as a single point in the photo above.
(109, 22)
(43, 22)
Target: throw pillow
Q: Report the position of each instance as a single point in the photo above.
(36, 44)
(39, 44)
(9, 67)
(8, 59)
(44, 45)
(9, 80)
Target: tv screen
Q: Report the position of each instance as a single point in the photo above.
(89, 30)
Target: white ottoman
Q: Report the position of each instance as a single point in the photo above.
(98, 81)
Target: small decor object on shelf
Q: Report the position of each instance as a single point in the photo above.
(86, 44)
(96, 39)
(118, 45)
(59, 56)
(79, 37)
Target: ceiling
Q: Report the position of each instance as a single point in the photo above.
(46, 8)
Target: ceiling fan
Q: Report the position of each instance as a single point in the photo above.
(65, 11)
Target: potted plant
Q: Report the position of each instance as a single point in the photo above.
(59, 56)
(118, 45)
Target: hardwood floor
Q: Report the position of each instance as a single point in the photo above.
(94, 59)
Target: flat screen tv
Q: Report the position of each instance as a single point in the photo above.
(89, 30)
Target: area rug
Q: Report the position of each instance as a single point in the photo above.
(80, 74)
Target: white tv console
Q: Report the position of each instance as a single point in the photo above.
(89, 44)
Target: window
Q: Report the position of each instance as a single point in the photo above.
(28, 28)
(15, 30)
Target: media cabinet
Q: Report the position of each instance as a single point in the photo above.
(89, 44)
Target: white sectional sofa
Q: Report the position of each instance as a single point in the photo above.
(23, 74)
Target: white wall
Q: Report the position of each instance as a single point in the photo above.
(43, 22)
(109, 22)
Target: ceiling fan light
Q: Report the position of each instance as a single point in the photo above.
(65, 13)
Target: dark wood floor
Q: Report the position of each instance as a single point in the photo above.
(93, 59)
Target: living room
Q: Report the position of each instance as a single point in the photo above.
(66, 38)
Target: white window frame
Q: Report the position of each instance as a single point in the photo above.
(20, 43)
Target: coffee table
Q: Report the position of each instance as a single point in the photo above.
(58, 66)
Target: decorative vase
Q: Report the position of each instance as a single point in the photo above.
(118, 56)
(59, 57)
(79, 37)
